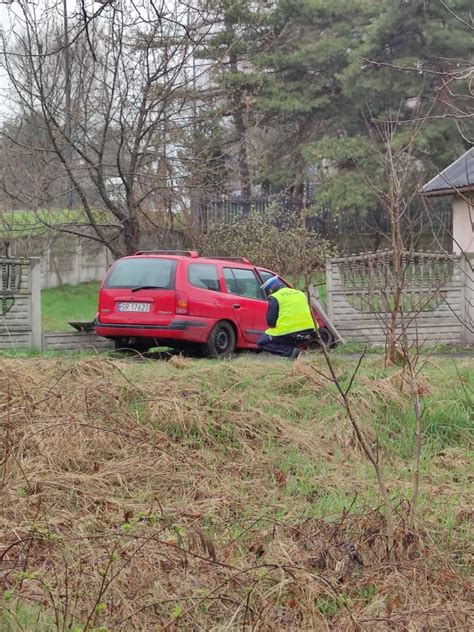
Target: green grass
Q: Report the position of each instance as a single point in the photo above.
(325, 486)
(17, 616)
(318, 280)
(60, 305)
(353, 347)
(23, 222)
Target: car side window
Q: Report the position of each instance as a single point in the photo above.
(204, 276)
(266, 274)
(243, 282)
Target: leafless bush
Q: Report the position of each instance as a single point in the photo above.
(275, 238)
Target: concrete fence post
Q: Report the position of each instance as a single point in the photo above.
(329, 289)
(48, 265)
(35, 309)
(77, 259)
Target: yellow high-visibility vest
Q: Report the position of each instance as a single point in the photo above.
(294, 313)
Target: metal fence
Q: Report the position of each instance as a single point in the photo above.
(230, 210)
(347, 230)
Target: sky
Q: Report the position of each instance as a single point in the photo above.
(5, 25)
(7, 12)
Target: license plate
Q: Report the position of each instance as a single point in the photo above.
(134, 307)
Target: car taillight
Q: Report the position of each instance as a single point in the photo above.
(182, 303)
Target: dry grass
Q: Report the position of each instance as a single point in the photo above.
(164, 496)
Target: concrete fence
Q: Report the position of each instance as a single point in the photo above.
(437, 302)
(75, 341)
(65, 259)
(20, 313)
(437, 299)
(20, 304)
(69, 259)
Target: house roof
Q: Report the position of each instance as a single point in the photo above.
(458, 177)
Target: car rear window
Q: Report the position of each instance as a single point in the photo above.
(204, 275)
(130, 273)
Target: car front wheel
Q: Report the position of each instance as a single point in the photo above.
(221, 341)
(326, 337)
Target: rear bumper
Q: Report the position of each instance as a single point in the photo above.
(191, 329)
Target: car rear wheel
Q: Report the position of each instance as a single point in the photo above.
(221, 341)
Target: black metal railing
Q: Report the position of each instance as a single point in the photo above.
(330, 225)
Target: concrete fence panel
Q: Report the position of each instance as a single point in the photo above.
(69, 259)
(20, 304)
(434, 305)
(20, 313)
(75, 341)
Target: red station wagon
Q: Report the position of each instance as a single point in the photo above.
(179, 299)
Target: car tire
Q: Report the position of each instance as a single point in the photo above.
(326, 337)
(221, 341)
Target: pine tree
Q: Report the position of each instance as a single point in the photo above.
(404, 68)
(239, 32)
(401, 73)
(302, 97)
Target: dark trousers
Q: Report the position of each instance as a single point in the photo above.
(279, 345)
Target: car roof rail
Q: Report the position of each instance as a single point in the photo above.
(182, 253)
(237, 259)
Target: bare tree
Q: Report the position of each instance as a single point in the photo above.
(112, 96)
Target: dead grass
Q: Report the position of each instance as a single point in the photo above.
(214, 496)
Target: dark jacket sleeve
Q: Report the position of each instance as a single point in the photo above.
(272, 312)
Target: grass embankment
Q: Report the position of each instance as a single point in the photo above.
(201, 495)
(62, 304)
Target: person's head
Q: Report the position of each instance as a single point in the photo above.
(271, 285)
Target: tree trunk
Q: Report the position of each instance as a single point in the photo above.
(241, 131)
(131, 235)
(392, 353)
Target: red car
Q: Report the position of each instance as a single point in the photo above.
(179, 299)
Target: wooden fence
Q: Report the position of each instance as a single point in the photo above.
(436, 301)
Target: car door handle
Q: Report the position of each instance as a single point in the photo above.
(236, 306)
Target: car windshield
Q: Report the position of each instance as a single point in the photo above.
(142, 272)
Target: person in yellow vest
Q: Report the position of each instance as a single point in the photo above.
(288, 314)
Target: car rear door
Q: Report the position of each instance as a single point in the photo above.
(139, 291)
(203, 287)
(248, 302)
